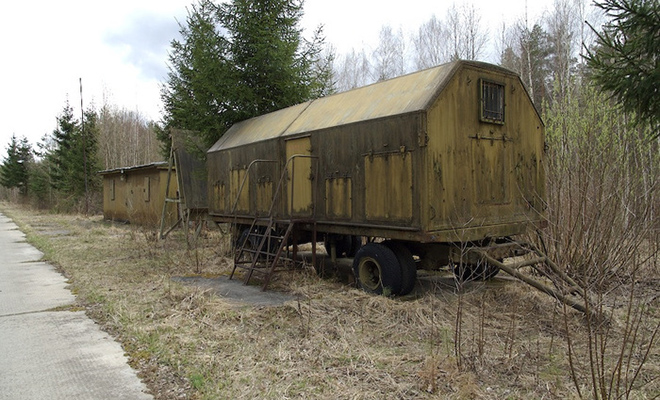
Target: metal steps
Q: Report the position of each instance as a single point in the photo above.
(260, 250)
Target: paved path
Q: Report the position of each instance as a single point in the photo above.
(46, 354)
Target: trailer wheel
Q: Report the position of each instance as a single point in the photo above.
(246, 238)
(490, 272)
(471, 272)
(377, 269)
(346, 245)
(407, 264)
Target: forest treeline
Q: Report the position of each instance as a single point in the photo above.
(244, 58)
(596, 85)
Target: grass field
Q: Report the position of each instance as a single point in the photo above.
(498, 340)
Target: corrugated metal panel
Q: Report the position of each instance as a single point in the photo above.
(191, 169)
(397, 96)
(264, 127)
(121, 170)
(402, 95)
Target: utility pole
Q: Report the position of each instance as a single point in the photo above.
(84, 149)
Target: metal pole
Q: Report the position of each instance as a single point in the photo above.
(84, 149)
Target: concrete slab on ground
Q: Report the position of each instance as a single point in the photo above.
(63, 355)
(234, 290)
(46, 354)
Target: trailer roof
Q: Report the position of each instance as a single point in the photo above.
(121, 170)
(402, 95)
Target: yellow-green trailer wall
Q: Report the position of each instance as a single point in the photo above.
(138, 196)
(482, 177)
(434, 175)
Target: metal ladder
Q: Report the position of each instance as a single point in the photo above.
(264, 255)
(177, 198)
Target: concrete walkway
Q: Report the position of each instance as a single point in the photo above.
(46, 354)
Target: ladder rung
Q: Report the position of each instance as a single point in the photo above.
(263, 235)
(273, 249)
(264, 252)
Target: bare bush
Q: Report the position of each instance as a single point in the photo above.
(603, 177)
(602, 192)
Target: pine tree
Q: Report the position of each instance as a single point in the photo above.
(63, 164)
(14, 169)
(625, 61)
(195, 95)
(530, 56)
(239, 60)
(73, 156)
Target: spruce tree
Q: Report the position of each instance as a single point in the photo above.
(14, 169)
(625, 61)
(73, 156)
(195, 95)
(272, 62)
(239, 60)
(39, 184)
(62, 162)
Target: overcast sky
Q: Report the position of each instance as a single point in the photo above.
(119, 49)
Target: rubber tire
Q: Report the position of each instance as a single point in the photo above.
(246, 235)
(345, 245)
(480, 272)
(377, 269)
(407, 264)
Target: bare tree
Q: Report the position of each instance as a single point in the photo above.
(430, 44)
(509, 46)
(529, 53)
(453, 20)
(352, 70)
(126, 138)
(563, 23)
(466, 36)
(389, 56)
(476, 38)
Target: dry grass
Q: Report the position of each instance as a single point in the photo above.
(488, 341)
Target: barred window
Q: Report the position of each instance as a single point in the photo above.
(492, 102)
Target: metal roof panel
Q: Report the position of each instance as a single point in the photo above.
(402, 95)
(260, 128)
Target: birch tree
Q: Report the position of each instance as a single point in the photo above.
(389, 56)
(430, 44)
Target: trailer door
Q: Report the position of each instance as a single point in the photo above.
(300, 175)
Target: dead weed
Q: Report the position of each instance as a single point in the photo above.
(331, 342)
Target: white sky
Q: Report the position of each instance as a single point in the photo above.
(119, 49)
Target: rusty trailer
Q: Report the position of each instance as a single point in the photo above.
(136, 194)
(425, 166)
